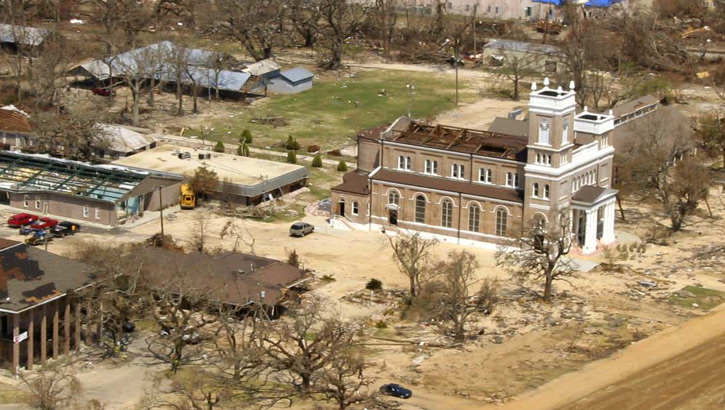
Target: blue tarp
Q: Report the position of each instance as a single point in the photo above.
(590, 3)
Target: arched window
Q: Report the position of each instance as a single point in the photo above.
(420, 209)
(474, 216)
(539, 221)
(447, 216)
(393, 198)
(536, 190)
(546, 191)
(501, 220)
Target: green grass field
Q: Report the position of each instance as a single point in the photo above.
(335, 109)
(705, 298)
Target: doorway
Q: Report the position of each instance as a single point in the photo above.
(581, 228)
(342, 208)
(393, 216)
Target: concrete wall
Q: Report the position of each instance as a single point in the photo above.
(170, 196)
(65, 206)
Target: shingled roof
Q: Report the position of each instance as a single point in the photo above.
(233, 278)
(14, 121)
(31, 276)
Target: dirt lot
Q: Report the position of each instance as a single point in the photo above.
(524, 343)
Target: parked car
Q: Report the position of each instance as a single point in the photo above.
(301, 229)
(103, 92)
(65, 228)
(18, 220)
(396, 390)
(39, 225)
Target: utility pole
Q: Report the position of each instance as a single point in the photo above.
(410, 88)
(161, 210)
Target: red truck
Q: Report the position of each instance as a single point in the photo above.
(39, 225)
(18, 220)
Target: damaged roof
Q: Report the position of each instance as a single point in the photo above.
(232, 278)
(463, 140)
(31, 276)
(13, 120)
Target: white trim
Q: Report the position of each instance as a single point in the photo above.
(537, 206)
(414, 187)
(495, 208)
(412, 198)
(375, 171)
(499, 201)
(493, 159)
(449, 198)
(544, 147)
(557, 174)
(552, 112)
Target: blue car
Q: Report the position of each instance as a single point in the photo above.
(396, 390)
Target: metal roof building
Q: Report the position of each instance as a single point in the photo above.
(72, 189)
(291, 81)
(22, 35)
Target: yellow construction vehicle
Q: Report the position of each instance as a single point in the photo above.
(188, 199)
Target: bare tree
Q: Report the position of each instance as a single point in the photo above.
(50, 70)
(177, 70)
(253, 23)
(659, 164)
(200, 391)
(199, 232)
(180, 313)
(53, 386)
(305, 17)
(516, 67)
(237, 229)
(412, 255)
(341, 20)
(119, 294)
(75, 133)
(302, 347)
(138, 71)
(343, 381)
(456, 296)
(540, 254)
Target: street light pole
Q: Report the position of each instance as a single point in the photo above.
(410, 98)
(161, 210)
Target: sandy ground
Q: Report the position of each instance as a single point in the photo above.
(480, 114)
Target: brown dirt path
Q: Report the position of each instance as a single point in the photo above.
(680, 368)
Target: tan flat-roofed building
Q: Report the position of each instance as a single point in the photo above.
(242, 179)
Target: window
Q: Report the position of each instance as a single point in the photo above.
(543, 159)
(501, 217)
(457, 171)
(564, 158)
(546, 191)
(393, 198)
(355, 208)
(536, 190)
(404, 163)
(85, 211)
(485, 175)
(447, 217)
(98, 213)
(420, 209)
(565, 132)
(605, 140)
(37, 204)
(26, 201)
(431, 167)
(528, 12)
(474, 216)
(512, 179)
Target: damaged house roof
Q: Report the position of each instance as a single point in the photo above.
(30, 276)
(232, 278)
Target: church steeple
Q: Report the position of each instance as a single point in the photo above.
(551, 120)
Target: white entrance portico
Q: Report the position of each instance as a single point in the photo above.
(593, 217)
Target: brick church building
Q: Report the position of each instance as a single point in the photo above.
(484, 187)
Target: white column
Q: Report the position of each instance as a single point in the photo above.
(608, 231)
(590, 234)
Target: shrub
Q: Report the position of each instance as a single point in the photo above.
(342, 166)
(247, 136)
(328, 278)
(243, 149)
(374, 285)
(219, 147)
(381, 324)
(293, 259)
(313, 148)
(292, 144)
(291, 157)
(317, 161)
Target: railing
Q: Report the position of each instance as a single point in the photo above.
(585, 152)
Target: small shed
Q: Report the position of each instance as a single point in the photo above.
(15, 127)
(266, 69)
(118, 141)
(532, 56)
(291, 81)
(21, 38)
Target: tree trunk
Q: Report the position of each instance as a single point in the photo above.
(412, 288)
(621, 209)
(179, 95)
(152, 91)
(195, 97)
(136, 96)
(547, 287)
(306, 381)
(516, 88)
